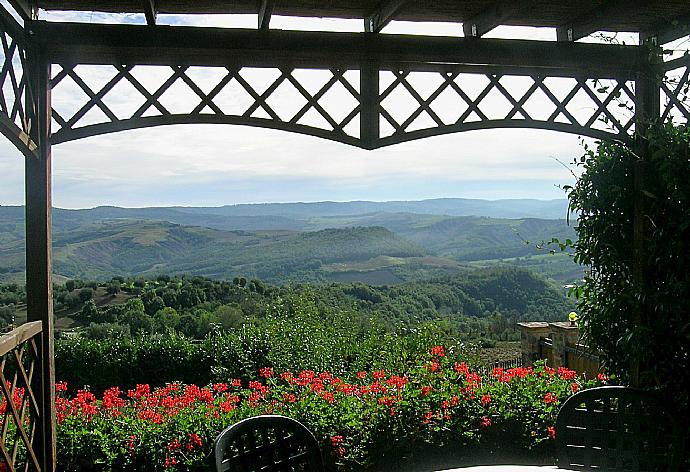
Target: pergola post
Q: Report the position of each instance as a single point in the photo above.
(647, 111)
(369, 116)
(39, 286)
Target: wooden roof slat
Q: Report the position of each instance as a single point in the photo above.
(265, 12)
(27, 9)
(596, 19)
(383, 15)
(78, 43)
(545, 13)
(150, 11)
(496, 15)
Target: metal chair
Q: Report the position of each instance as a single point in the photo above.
(617, 429)
(269, 443)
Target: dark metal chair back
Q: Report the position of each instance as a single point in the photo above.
(269, 443)
(617, 429)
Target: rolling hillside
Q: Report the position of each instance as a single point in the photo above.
(307, 242)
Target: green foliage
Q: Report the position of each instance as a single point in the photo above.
(611, 296)
(292, 338)
(363, 420)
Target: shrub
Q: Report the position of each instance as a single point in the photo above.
(631, 318)
(362, 419)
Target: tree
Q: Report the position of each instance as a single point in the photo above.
(229, 316)
(166, 319)
(89, 312)
(634, 304)
(113, 287)
(85, 294)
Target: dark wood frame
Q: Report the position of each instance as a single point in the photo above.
(27, 121)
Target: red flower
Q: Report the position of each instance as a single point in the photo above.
(289, 397)
(602, 377)
(485, 422)
(567, 374)
(434, 367)
(378, 374)
(60, 386)
(361, 375)
(425, 391)
(427, 417)
(439, 351)
(485, 400)
(574, 387)
(552, 432)
(266, 372)
(550, 398)
(287, 376)
(461, 368)
(170, 461)
(174, 445)
(227, 407)
(194, 441)
(328, 396)
(337, 440)
(397, 382)
(236, 383)
(220, 387)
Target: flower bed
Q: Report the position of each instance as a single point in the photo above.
(360, 421)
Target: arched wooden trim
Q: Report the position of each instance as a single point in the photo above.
(68, 135)
(397, 138)
(151, 121)
(18, 138)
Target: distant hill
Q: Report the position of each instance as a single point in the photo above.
(506, 208)
(306, 241)
(133, 247)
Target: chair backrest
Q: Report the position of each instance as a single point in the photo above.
(617, 429)
(269, 443)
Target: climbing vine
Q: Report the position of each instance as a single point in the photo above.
(633, 318)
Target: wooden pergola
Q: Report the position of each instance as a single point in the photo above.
(625, 87)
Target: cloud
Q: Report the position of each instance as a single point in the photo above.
(220, 164)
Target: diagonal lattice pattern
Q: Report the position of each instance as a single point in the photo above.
(93, 99)
(675, 91)
(15, 119)
(90, 100)
(460, 101)
(19, 407)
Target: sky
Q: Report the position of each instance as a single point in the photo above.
(212, 165)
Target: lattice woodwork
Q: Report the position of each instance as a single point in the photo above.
(328, 103)
(455, 101)
(15, 118)
(269, 442)
(292, 99)
(675, 90)
(617, 429)
(19, 407)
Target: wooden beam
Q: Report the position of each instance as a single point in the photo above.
(369, 120)
(81, 43)
(265, 12)
(150, 12)
(668, 31)
(497, 14)
(27, 9)
(595, 19)
(39, 284)
(383, 15)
